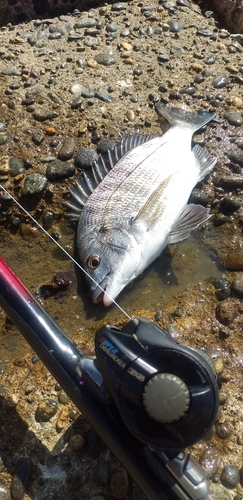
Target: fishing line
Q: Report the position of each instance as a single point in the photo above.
(65, 251)
(25, 11)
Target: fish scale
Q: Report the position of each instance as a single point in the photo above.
(140, 205)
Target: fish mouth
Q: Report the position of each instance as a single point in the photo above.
(100, 294)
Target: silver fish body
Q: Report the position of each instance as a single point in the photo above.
(140, 206)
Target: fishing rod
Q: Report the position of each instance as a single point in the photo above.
(147, 396)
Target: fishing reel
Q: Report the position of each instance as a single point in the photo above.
(166, 393)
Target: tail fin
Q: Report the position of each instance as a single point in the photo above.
(178, 116)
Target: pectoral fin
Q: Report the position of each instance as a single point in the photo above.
(189, 219)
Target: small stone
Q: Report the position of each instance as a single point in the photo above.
(205, 32)
(230, 476)
(16, 166)
(105, 145)
(220, 81)
(35, 90)
(175, 26)
(46, 410)
(231, 69)
(44, 113)
(226, 312)
(106, 58)
(222, 430)
(85, 158)
(76, 88)
(76, 442)
(230, 204)
(47, 219)
(63, 397)
(197, 67)
(20, 479)
(233, 118)
(4, 492)
(58, 169)
(37, 138)
(76, 103)
(236, 157)
(67, 149)
(237, 102)
(112, 28)
(119, 483)
(210, 461)
(103, 96)
(237, 285)
(218, 492)
(126, 46)
(130, 115)
(234, 259)
(34, 184)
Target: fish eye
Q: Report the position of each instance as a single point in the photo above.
(93, 261)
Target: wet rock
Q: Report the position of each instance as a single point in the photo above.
(222, 430)
(233, 118)
(106, 58)
(229, 476)
(105, 145)
(47, 219)
(85, 158)
(63, 397)
(230, 204)
(20, 479)
(236, 157)
(198, 196)
(237, 285)
(44, 113)
(46, 410)
(58, 169)
(210, 461)
(234, 259)
(226, 312)
(119, 483)
(220, 81)
(67, 149)
(34, 184)
(76, 442)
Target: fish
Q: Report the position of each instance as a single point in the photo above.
(134, 203)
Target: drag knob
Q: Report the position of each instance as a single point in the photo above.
(166, 398)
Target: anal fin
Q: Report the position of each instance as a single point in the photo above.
(206, 162)
(189, 219)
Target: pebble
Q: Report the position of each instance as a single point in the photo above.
(112, 28)
(175, 26)
(196, 67)
(237, 285)
(198, 196)
(35, 90)
(102, 96)
(118, 6)
(230, 204)
(20, 479)
(37, 138)
(210, 461)
(76, 103)
(85, 158)
(220, 81)
(57, 170)
(76, 442)
(67, 149)
(234, 259)
(105, 145)
(46, 410)
(226, 312)
(233, 118)
(63, 397)
(222, 430)
(76, 88)
(44, 113)
(34, 184)
(236, 157)
(106, 58)
(86, 22)
(229, 476)
(119, 483)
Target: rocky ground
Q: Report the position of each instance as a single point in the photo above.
(83, 81)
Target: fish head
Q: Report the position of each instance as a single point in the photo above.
(111, 260)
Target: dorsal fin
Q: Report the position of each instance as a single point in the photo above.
(91, 178)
